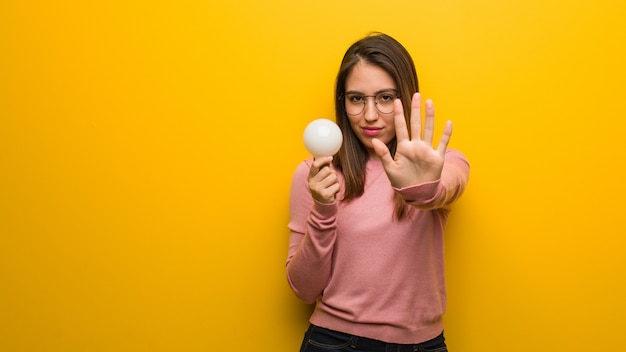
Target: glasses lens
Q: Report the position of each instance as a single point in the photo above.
(355, 104)
(384, 102)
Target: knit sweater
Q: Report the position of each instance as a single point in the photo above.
(370, 274)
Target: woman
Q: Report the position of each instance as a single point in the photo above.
(367, 224)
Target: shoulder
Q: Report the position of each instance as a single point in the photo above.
(303, 168)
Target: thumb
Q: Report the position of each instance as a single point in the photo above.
(382, 151)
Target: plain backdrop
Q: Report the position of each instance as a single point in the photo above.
(147, 148)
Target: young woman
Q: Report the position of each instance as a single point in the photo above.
(367, 225)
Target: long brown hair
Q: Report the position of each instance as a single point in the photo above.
(387, 53)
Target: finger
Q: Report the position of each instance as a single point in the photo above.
(327, 188)
(318, 164)
(400, 123)
(429, 123)
(382, 151)
(445, 139)
(327, 177)
(416, 117)
(321, 161)
(328, 194)
(334, 189)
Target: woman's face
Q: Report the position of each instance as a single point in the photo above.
(369, 80)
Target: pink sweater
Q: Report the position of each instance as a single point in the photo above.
(371, 275)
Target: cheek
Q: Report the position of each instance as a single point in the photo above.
(354, 122)
(388, 120)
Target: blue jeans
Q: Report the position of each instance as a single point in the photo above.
(318, 339)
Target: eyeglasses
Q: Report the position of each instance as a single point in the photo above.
(355, 103)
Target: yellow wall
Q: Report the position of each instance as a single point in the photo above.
(146, 150)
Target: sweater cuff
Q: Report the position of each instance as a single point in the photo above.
(325, 210)
(419, 194)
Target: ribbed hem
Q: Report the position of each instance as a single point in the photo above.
(385, 333)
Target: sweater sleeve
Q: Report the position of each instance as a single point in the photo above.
(444, 191)
(313, 232)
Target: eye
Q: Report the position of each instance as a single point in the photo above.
(386, 98)
(355, 99)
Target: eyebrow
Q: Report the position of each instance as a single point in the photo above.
(385, 90)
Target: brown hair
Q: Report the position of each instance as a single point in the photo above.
(387, 53)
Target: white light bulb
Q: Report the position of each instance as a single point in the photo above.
(322, 137)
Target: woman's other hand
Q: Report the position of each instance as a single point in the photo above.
(416, 161)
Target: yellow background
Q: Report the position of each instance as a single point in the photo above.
(146, 151)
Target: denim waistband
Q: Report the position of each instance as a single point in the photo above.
(367, 344)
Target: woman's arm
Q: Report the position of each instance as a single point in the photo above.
(313, 232)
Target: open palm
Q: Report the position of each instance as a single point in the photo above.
(415, 161)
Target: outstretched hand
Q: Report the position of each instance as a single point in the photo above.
(415, 161)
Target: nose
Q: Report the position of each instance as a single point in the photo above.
(370, 112)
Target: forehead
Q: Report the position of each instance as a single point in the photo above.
(367, 78)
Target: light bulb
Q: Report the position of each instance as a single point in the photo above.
(322, 137)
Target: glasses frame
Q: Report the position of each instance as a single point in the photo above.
(392, 91)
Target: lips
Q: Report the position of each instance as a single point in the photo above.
(372, 131)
